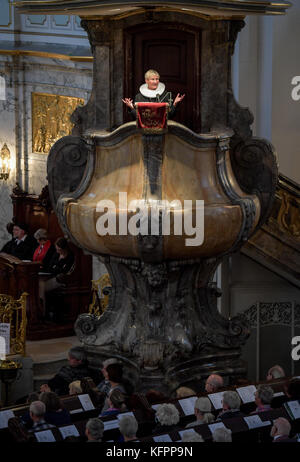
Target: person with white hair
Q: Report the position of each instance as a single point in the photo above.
(167, 417)
(275, 372)
(280, 431)
(37, 411)
(128, 427)
(202, 410)
(94, 430)
(75, 387)
(45, 250)
(222, 435)
(263, 397)
(152, 91)
(231, 405)
(214, 383)
(192, 437)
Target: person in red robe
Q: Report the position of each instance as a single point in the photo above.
(45, 249)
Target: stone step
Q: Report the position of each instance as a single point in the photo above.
(49, 368)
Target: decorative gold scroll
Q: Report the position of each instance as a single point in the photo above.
(289, 214)
(13, 312)
(100, 299)
(51, 119)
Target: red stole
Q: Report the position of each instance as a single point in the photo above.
(40, 252)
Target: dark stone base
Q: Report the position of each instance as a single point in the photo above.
(162, 322)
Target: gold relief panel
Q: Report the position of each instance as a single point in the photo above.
(51, 119)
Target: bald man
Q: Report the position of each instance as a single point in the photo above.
(214, 383)
(281, 431)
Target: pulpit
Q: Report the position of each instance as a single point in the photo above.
(162, 320)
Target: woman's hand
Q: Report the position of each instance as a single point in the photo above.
(178, 99)
(128, 102)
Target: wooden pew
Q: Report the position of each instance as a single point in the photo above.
(17, 276)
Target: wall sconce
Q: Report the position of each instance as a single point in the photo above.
(5, 163)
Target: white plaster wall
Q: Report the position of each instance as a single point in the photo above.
(266, 59)
(285, 111)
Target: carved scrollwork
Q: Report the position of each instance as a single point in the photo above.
(254, 164)
(269, 314)
(66, 165)
(156, 274)
(86, 327)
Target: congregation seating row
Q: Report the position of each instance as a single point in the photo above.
(84, 406)
(254, 429)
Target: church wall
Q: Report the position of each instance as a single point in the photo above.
(267, 58)
(246, 284)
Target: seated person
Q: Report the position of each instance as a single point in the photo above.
(45, 249)
(152, 91)
(275, 372)
(75, 387)
(94, 430)
(104, 385)
(280, 431)
(76, 370)
(115, 378)
(22, 245)
(55, 412)
(222, 435)
(231, 406)
(189, 437)
(214, 383)
(116, 402)
(37, 411)
(167, 417)
(61, 262)
(184, 392)
(263, 398)
(292, 393)
(128, 427)
(202, 412)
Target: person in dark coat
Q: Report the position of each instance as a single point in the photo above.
(152, 91)
(77, 369)
(62, 260)
(231, 406)
(22, 245)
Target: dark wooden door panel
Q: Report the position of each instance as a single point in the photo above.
(174, 53)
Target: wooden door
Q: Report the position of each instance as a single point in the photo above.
(174, 51)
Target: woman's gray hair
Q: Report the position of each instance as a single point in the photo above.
(265, 393)
(232, 399)
(37, 408)
(167, 414)
(192, 437)
(128, 426)
(222, 435)
(151, 72)
(95, 427)
(78, 353)
(41, 234)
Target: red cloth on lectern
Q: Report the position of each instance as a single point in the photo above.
(152, 116)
